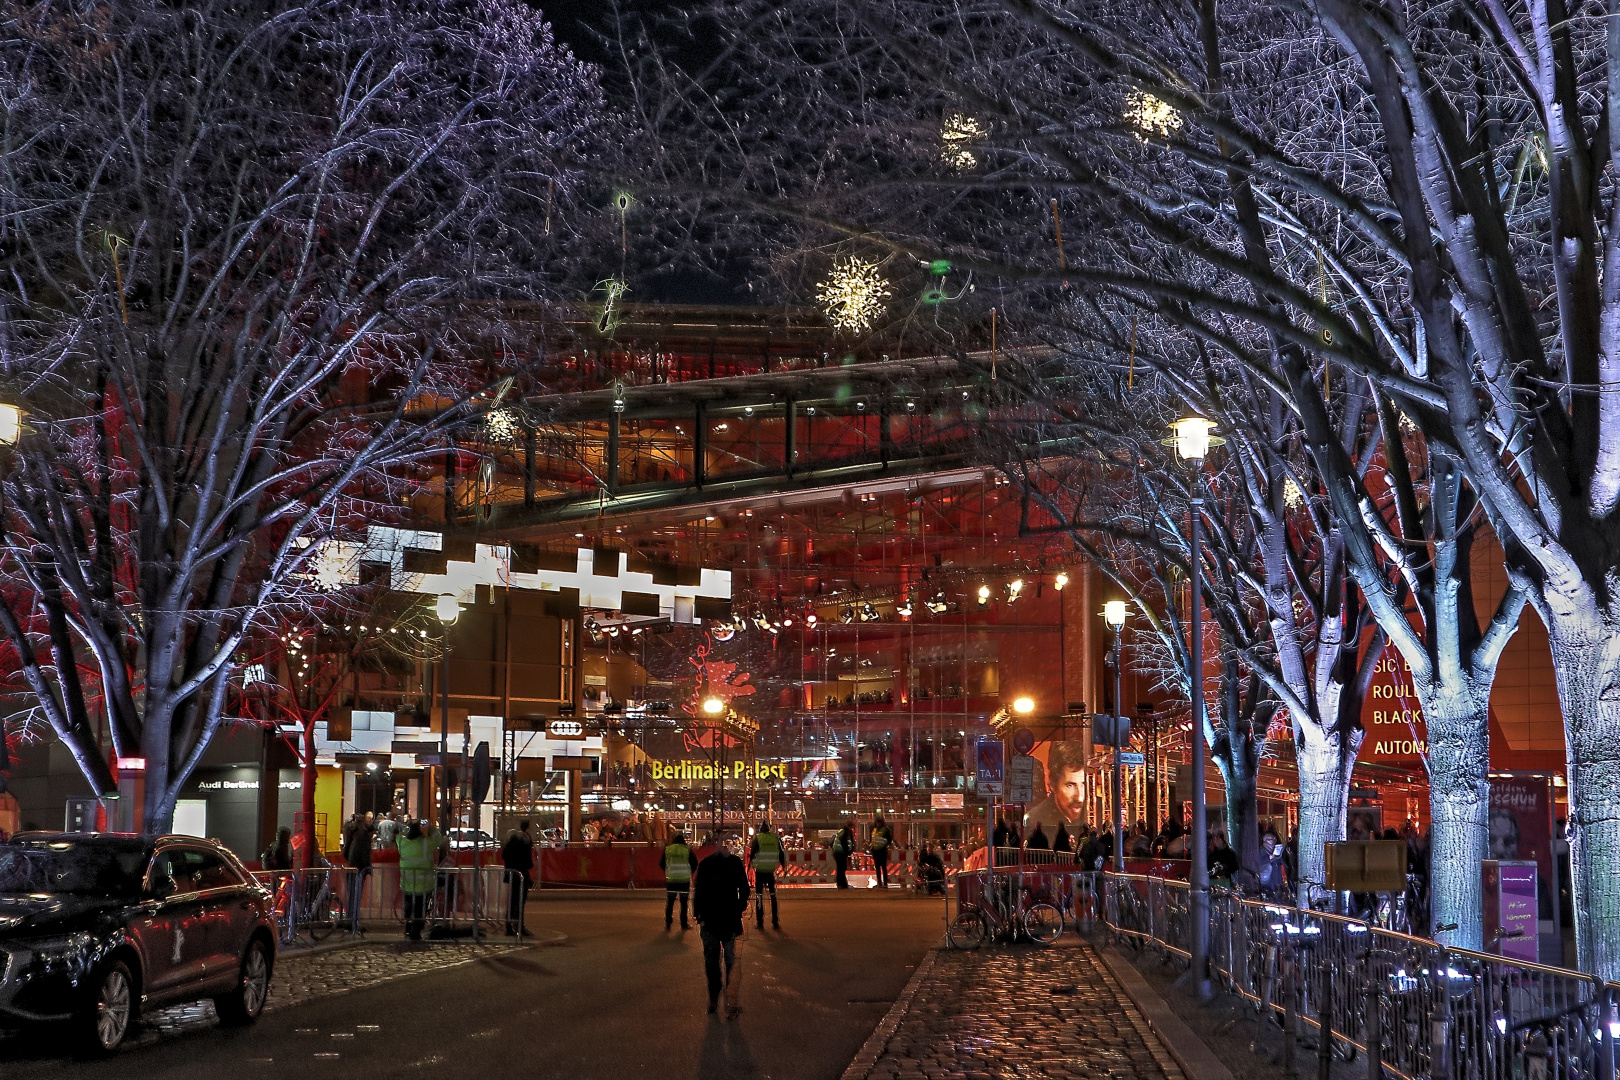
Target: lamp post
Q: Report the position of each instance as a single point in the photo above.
(447, 608)
(1114, 614)
(1192, 441)
(715, 707)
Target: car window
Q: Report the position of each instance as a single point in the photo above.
(210, 870)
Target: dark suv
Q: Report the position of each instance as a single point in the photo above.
(95, 927)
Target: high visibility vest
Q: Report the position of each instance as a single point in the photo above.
(677, 864)
(769, 855)
(416, 862)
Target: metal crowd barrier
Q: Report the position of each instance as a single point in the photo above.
(1411, 1007)
(313, 903)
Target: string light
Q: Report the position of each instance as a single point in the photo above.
(1151, 115)
(959, 133)
(501, 425)
(853, 295)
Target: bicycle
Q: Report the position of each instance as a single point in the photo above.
(1004, 913)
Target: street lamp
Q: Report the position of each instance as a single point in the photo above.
(1114, 615)
(1024, 706)
(447, 608)
(1192, 440)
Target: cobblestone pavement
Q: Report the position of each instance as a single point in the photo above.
(999, 1014)
(301, 978)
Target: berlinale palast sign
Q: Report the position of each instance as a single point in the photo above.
(703, 772)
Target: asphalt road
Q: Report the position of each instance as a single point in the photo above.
(618, 998)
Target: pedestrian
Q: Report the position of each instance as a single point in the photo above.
(677, 862)
(877, 845)
(278, 856)
(357, 853)
(765, 855)
(1273, 876)
(1063, 841)
(1223, 861)
(517, 855)
(719, 898)
(931, 871)
(842, 846)
(387, 831)
(418, 855)
(999, 837)
(1037, 840)
(1091, 851)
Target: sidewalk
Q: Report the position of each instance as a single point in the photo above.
(997, 1013)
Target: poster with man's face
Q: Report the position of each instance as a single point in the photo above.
(1062, 773)
(1520, 821)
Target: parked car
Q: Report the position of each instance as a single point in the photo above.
(467, 839)
(96, 927)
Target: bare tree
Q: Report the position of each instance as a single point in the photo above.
(248, 253)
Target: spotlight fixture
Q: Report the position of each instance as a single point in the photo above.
(762, 622)
(1015, 589)
(810, 620)
(1061, 580)
(904, 610)
(938, 604)
(868, 612)
(847, 615)
(984, 594)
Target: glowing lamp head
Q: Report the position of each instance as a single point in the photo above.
(1024, 706)
(1114, 613)
(1061, 580)
(713, 706)
(11, 424)
(1192, 435)
(1016, 587)
(984, 594)
(447, 608)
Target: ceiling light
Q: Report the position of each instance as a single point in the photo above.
(984, 594)
(1061, 580)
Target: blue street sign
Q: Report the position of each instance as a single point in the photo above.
(990, 755)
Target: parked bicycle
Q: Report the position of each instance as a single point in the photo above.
(1005, 911)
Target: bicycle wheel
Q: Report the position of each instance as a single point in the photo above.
(322, 919)
(967, 930)
(1043, 923)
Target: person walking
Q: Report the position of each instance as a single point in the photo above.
(418, 855)
(357, 853)
(877, 844)
(1063, 841)
(842, 846)
(387, 831)
(677, 862)
(517, 855)
(999, 837)
(719, 898)
(765, 855)
(278, 856)
(1037, 840)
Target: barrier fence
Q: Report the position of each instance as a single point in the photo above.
(1412, 1008)
(311, 905)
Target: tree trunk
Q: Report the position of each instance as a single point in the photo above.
(1324, 790)
(1242, 809)
(1586, 660)
(1459, 801)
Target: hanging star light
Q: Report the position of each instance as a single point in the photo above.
(501, 425)
(958, 134)
(335, 565)
(853, 294)
(1151, 116)
(1293, 497)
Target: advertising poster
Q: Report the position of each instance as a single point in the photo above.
(1520, 827)
(1059, 787)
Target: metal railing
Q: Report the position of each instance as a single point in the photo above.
(1412, 1008)
(312, 904)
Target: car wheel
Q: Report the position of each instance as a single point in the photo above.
(109, 1016)
(244, 1004)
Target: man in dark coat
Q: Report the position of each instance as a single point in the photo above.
(719, 899)
(517, 855)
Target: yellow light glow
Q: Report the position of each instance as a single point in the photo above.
(958, 134)
(853, 295)
(501, 425)
(1061, 580)
(11, 422)
(1151, 116)
(1024, 706)
(714, 706)
(984, 594)
(1114, 613)
(1192, 437)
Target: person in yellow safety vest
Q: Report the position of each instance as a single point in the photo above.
(419, 850)
(677, 862)
(765, 856)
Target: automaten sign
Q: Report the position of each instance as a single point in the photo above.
(699, 773)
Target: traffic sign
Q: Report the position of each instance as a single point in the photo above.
(1131, 757)
(991, 764)
(1023, 740)
(1021, 780)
